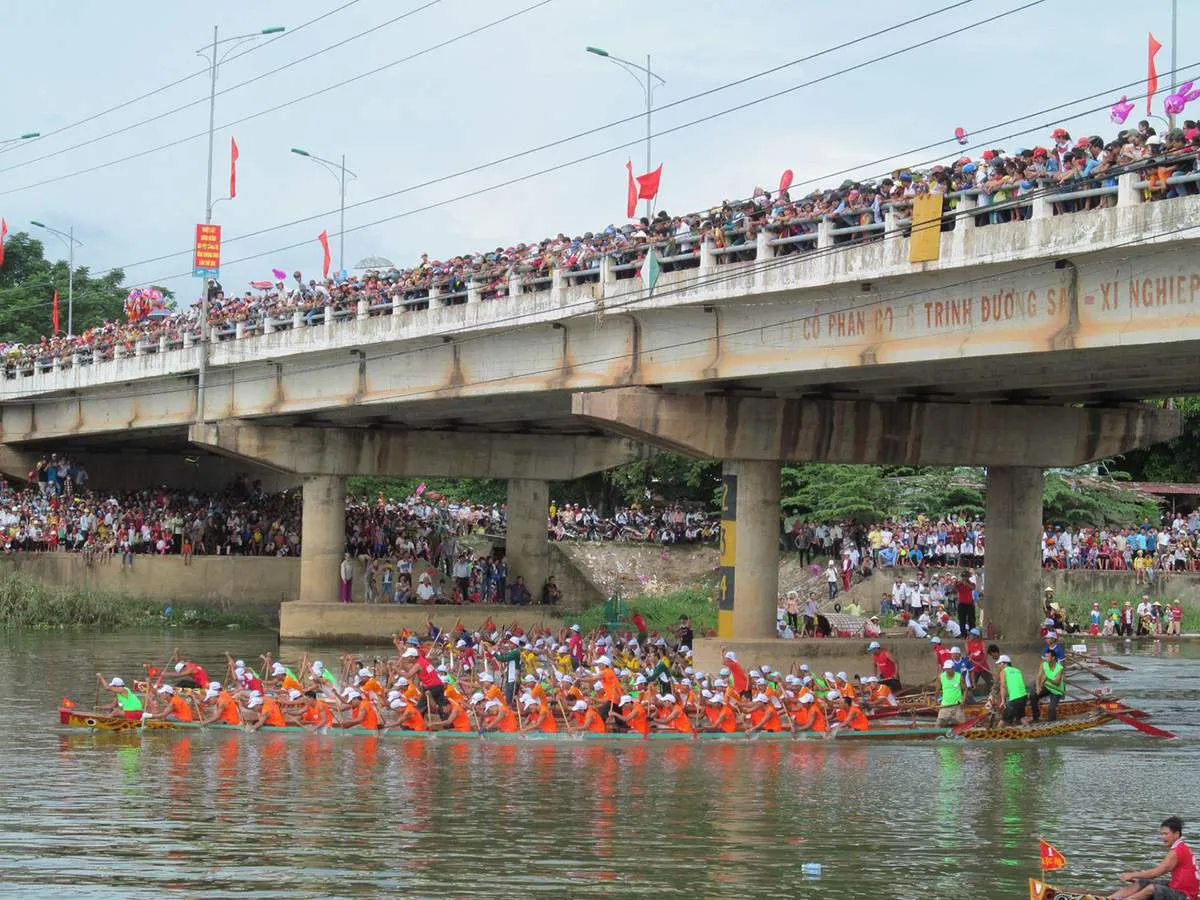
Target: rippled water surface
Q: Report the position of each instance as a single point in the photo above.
(219, 814)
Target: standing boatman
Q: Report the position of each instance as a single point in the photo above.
(1051, 683)
(951, 683)
(885, 667)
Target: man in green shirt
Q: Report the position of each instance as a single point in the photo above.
(951, 682)
(126, 700)
(1013, 693)
(1051, 684)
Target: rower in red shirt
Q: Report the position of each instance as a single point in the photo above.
(940, 653)
(885, 667)
(737, 675)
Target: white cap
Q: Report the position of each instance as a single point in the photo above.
(724, 671)
(364, 673)
(528, 679)
(318, 667)
(278, 669)
(759, 698)
(604, 661)
(575, 628)
(947, 665)
(842, 676)
(720, 682)
(935, 640)
(398, 703)
(294, 694)
(685, 650)
(1051, 635)
(829, 676)
(766, 669)
(442, 669)
(211, 694)
(528, 700)
(639, 680)
(401, 681)
(166, 689)
(580, 706)
(666, 698)
(803, 667)
(179, 667)
(706, 694)
(459, 644)
(874, 645)
(1004, 659)
(833, 695)
(955, 650)
(807, 698)
(351, 694)
(729, 654)
(485, 676)
(214, 686)
(625, 698)
(597, 686)
(392, 695)
(492, 704)
(117, 682)
(409, 653)
(715, 698)
(239, 664)
(239, 671)
(754, 673)
(255, 700)
(476, 697)
(686, 682)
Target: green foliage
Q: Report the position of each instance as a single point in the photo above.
(476, 490)
(668, 477)
(1177, 460)
(27, 285)
(825, 492)
(940, 492)
(1071, 499)
(25, 604)
(662, 612)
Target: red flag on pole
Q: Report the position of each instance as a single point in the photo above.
(323, 237)
(3, 235)
(54, 314)
(1151, 72)
(632, 192)
(648, 184)
(1051, 858)
(233, 158)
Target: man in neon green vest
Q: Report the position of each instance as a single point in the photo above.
(128, 702)
(1013, 693)
(1051, 684)
(951, 711)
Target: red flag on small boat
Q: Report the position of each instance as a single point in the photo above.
(1051, 858)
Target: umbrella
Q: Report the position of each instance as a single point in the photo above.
(374, 262)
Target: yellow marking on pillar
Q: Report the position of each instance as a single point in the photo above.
(926, 242)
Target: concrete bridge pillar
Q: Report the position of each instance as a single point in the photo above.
(1012, 558)
(526, 548)
(749, 549)
(323, 537)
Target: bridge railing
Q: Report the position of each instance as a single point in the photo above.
(749, 242)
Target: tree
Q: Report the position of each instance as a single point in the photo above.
(822, 492)
(937, 492)
(27, 285)
(487, 491)
(1071, 498)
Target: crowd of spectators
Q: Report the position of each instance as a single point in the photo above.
(1063, 165)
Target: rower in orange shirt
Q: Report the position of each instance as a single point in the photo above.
(584, 718)
(227, 711)
(499, 717)
(843, 686)
(456, 718)
(610, 689)
(810, 716)
(881, 695)
(178, 709)
(409, 717)
(634, 715)
(363, 713)
(491, 692)
(720, 715)
(317, 714)
(670, 715)
(269, 713)
(763, 715)
(369, 685)
(534, 687)
(538, 716)
(850, 716)
(408, 689)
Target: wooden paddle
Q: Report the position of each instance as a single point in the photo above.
(1143, 727)
(969, 724)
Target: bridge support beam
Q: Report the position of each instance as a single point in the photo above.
(750, 523)
(322, 537)
(755, 434)
(1012, 561)
(526, 549)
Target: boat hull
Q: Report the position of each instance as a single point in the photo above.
(1039, 890)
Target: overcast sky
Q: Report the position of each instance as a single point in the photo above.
(507, 89)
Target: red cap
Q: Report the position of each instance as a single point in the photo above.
(1083, 142)
(988, 155)
(1059, 132)
(1039, 151)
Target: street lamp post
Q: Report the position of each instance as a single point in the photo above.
(339, 171)
(214, 63)
(648, 87)
(68, 238)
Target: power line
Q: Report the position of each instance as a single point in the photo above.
(104, 112)
(175, 143)
(564, 165)
(202, 100)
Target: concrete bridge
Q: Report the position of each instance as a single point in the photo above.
(1022, 346)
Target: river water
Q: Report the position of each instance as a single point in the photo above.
(220, 814)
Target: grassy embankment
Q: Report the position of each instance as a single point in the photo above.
(25, 604)
(662, 612)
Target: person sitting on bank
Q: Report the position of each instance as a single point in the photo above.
(1179, 863)
(518, 593)
(551, 593)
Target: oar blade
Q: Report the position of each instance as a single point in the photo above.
(1144, 727)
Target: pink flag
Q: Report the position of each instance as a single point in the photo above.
(420, 489)
(1151, 72)
(323, 237)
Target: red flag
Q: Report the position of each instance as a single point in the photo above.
(323, 237)
(1151, 72)
(632, 195)
(233, 158)
(648, 184)
(1051, 858)
(3, 235)
(54, 315)
(785, 180)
